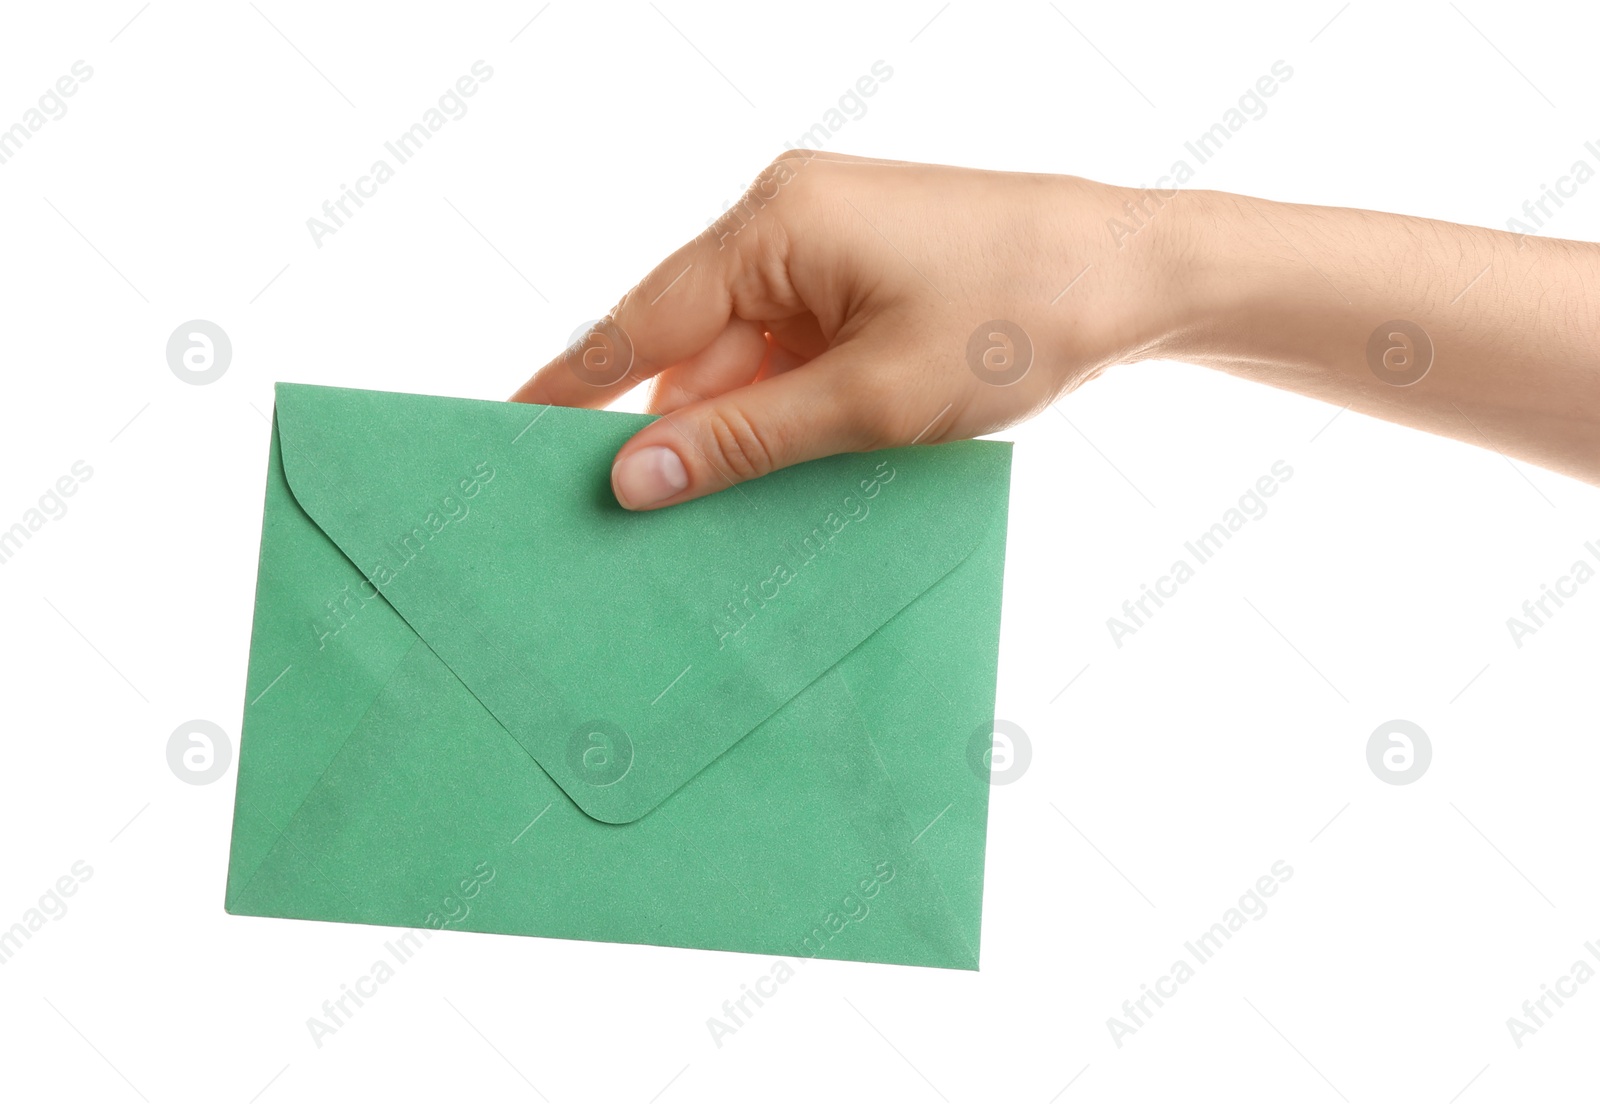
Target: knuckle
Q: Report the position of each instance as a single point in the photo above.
(726, 226)
(737, 447)
(789, 177)
(790, 184)
(786, 166)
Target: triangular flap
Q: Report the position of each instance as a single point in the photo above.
(624, 651)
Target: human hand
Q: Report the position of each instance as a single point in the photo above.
(845, 304)
(848, 304)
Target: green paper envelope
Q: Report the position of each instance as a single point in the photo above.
(484, 697)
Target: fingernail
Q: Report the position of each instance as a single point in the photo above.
(646, 477)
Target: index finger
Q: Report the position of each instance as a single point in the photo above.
(674, 313)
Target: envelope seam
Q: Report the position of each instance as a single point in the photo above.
(395, 607)
(905, 823)
(326, 769)
(462, 615)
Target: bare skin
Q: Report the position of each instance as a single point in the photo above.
(835, 310)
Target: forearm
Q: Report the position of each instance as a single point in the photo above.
(1292, 295)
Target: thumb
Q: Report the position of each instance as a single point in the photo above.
(747, 433)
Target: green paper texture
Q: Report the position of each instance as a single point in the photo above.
(482, 696)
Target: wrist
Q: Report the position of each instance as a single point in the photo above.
(1250, 287)
(1167, 271)
(1200, 282)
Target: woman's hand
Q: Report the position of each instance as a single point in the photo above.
(848, 304)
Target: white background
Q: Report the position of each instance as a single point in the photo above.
(1226, 735)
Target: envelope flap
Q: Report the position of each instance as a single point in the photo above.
(624, 651)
